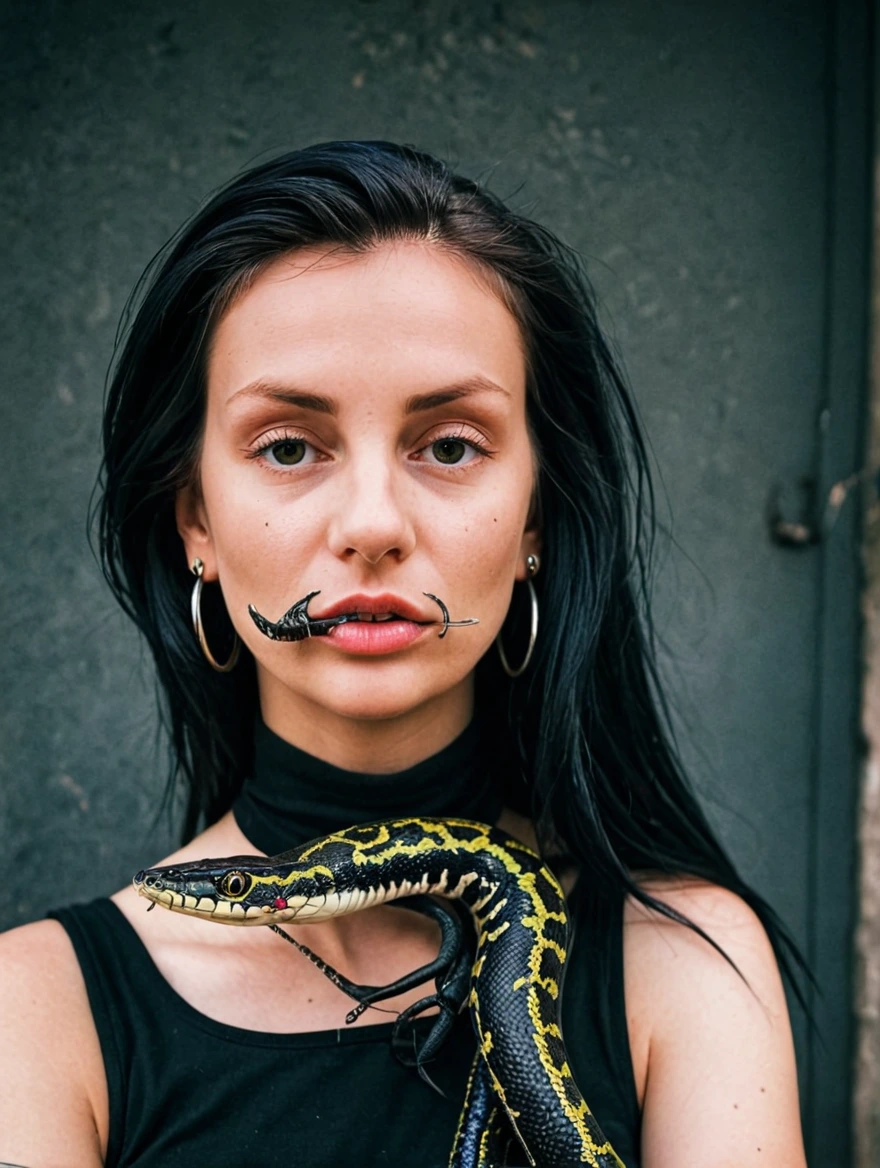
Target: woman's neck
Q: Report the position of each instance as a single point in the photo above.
(367, 743)
(293, 796)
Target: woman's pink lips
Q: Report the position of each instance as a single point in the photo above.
(366, 637)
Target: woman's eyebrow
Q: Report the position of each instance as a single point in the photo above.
(416, 403)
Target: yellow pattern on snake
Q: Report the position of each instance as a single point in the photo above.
(521, 1072)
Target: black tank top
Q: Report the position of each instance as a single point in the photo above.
(186, 1091)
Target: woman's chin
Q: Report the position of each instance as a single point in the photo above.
(359, 687)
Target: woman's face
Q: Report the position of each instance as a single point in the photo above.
(374, 488)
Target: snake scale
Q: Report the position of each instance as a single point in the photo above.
(521, 1075)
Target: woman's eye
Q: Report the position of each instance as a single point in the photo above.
(452, 449)
(287, 453)
(282, 450)
(449, 450)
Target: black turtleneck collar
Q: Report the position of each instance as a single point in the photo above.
(292, 796)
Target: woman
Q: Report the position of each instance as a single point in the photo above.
(357, 376)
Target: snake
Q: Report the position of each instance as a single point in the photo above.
(520, 1087)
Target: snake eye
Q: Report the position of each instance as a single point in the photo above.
(234, 884)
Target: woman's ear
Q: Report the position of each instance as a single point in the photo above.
(192, 524)
(531, 545)
(531, 540)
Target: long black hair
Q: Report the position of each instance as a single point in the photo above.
(585, 734)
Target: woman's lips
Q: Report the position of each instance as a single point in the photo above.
(384, 602)
(366, 637)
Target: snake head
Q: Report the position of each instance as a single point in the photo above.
(239, 890)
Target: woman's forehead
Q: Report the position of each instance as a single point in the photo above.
(403, 310)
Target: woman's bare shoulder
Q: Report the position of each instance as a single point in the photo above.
(668, 955)
(50, 1057)
(714, 909)
(706, 1034)
(41, 983)
(50, 1054)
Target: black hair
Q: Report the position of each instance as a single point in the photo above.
(586, 732)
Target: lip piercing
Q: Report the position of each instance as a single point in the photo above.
(447, 623)
(297, 625)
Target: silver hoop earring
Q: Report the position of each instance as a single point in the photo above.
(198, 569)
(532, 565)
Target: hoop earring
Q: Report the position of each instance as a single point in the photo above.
(532, 565)
(198, 569)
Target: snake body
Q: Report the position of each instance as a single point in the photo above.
(522, 926)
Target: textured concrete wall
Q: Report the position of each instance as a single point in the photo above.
(663, 144)
(682, 147)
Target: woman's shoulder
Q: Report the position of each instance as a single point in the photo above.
(43, 948)
(708, 1024)
(51, 1062)
(716, 910)
(669, 954)
(40, 984)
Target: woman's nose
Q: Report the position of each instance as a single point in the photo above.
(372, 514)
